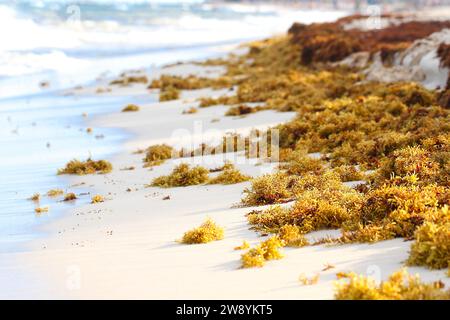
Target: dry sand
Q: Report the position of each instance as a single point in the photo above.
(126, 247)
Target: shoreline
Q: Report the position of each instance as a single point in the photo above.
(128, 247)
(134, 233)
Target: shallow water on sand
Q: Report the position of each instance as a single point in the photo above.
(38, 135)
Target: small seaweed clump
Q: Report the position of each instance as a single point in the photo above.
(399, 286)
(40, 210)
(181, 176)
(86, 167)
(70, 196)
(229, 175)
(243, 246)
(97, 199)
(207, 232)
(131, 108)
(268, 189)
(292, 236)
(432, 242)
(266, 250)
(157, 154)
(55, 192)
(35, 197)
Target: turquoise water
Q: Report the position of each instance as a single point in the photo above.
(38, 135)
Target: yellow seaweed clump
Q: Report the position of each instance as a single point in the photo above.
(86, 167)
(158, 153)
(394, 211)
(131, 108)
(399, 286)
(181, 176)
(266, 250)
(168, 94)
(97, 199)
(431, 247)
(206, 232)
(229, 175)
(322, 202)
(268, 189)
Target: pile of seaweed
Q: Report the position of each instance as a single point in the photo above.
(394, 136)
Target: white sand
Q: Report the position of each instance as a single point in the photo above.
(125, 247)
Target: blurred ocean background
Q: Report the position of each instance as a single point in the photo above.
(70, 42)
(67, 43)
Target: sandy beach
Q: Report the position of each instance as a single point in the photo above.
(125, 248)
(355, 190)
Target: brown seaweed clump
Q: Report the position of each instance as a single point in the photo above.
(168, 94)
(229, 175)
(157, 154)
(86, 167)
(126, 80)
(131, 108)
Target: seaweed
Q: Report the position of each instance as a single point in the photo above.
(158, 153)
(399, 286)
(55, 192)
(181, 176)
(97, 199)
(431, 246)
(86, 167)
(265, 251)
(268, 189)
(207, 232)
(229, 175)
(70, 196)
(131, 108)
(168, 94)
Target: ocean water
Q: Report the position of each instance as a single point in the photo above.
(68, 44)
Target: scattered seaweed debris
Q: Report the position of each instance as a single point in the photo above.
(181, 176)
(86, 167)
(309, 281)
(131, 108)
(245, 245)
(208, 231)
(400, 286)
